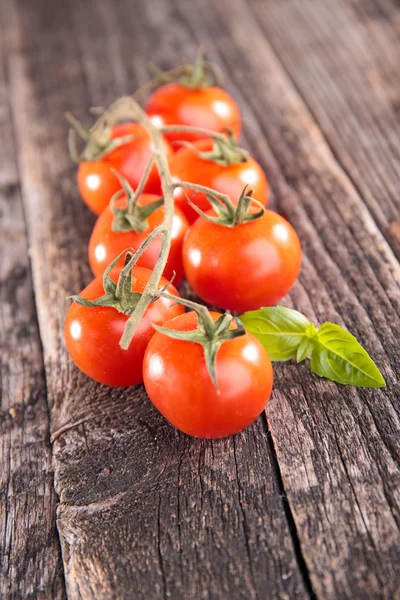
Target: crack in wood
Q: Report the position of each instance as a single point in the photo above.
(289, 515)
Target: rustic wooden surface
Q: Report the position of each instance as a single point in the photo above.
(30, 558)
(306, 501)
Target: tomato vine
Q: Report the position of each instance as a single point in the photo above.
(237, 223)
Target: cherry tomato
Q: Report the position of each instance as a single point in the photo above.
(187, 165)
(244, 267)
(106, 244)
(179, 385)
(96, 181)
(209, 108)
(92, 335)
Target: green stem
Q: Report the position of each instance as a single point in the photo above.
(123, 109)
(133, 199)
(197, 130)
(184, 301)
(128, 108)
(198, 308)
(160, 77)
(198, 75)
(223, 198)
(83, 133)
(124, 274)
(197, 187)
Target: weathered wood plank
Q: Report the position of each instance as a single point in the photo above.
(125, 478)
(345, 63)
(30, 557)
(144, 512)
(337, 448)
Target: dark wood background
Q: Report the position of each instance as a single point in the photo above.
(99, 497)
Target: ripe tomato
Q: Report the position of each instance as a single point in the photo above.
(187, 165)
(97, 183)
(92, 335)
(179, 385)
(209, 108)
(106, 244)
(244, 267)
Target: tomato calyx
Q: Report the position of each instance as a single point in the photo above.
(132, 217)
(228, 215)
(119, 295)
(98, 141)
(225, 150)
(209, 333)
(201, 74)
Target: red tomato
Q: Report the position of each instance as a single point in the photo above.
(106, 244)
(210, 108)
(186, 165)
(92, 335)
(244, 267)
(97, 183)
(179, 385)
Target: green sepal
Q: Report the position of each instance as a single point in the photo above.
(225, 152)
(117, 295)
(210, 334)
(225, 212)
(201, 74)
(102, 301)
(124, 221)
(98, 143)
(229, 215)
(196, 336)
(126, 304)
(132, 217)
(120, 295)
(241, 214)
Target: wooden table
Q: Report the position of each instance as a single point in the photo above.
(100, 497)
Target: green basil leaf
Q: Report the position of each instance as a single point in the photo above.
(338, 356)
(305, 349)
(279, 329)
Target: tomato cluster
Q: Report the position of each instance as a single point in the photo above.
(204, 373)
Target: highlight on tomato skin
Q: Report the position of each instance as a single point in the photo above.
(96, 181)
(92, 334)
(208, 107)
(105, 244)
(187, 165)
(180, 387)
(244, 267)
(97, 184)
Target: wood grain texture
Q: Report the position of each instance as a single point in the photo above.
(145, 512)
(345, 63)
(337, 447)
(304, 501)
(30, 557)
